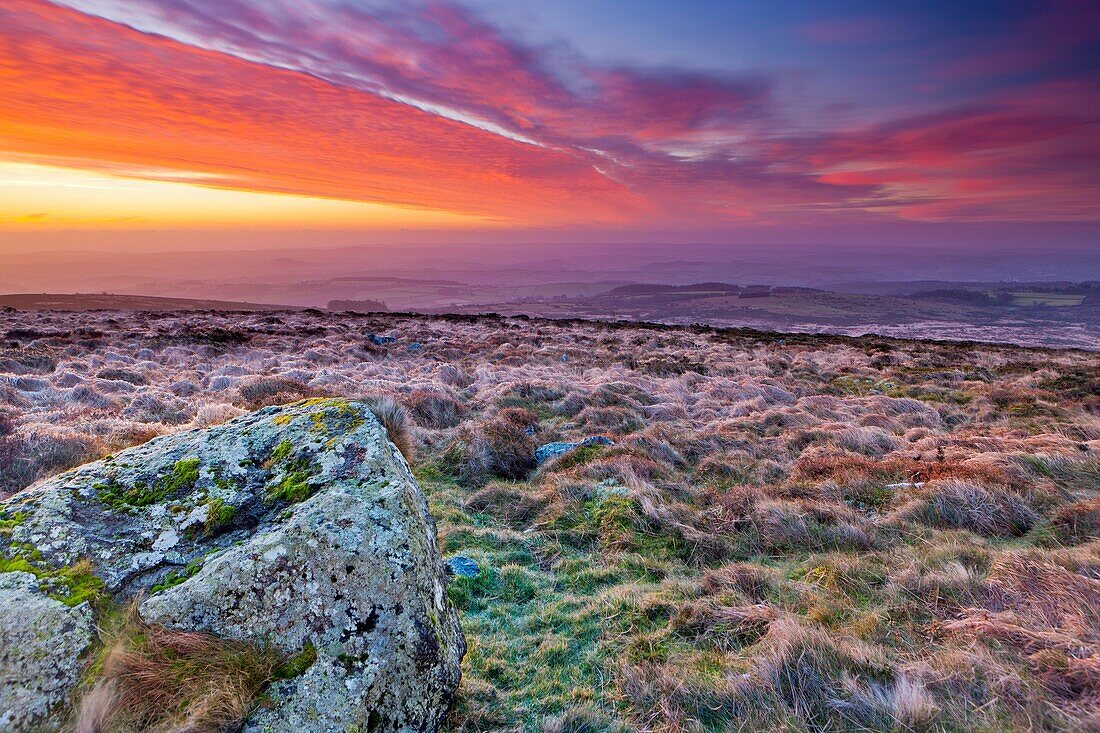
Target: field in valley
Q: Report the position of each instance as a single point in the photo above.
(788, 532)
(963, 314)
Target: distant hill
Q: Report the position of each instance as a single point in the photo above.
(1063, 315)
(358, 306)
(104, 301)
(651, 289)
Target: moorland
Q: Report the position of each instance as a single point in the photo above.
(782, 531)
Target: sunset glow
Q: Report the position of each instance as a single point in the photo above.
(560, 366)
(125, 113)
(75, 198)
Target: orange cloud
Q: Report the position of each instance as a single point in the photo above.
(79, 91)
(285, 97)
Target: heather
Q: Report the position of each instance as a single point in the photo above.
(786, 533)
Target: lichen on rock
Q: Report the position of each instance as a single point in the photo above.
(300, 526)
(42, 643)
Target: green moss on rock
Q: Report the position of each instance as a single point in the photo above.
(298, 664)
(293, 486)
(9, 521)
(174, 578)
(219, 514)
(72, 585)
(183, 477)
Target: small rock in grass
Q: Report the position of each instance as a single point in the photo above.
(553, 450)
(463, 566)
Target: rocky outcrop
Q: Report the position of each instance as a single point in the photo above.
(300, 525)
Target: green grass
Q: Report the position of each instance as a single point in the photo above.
(534, 646)
(546, 621)
(561, 619)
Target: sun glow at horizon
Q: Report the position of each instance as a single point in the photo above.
(36, 196)
(393, 115)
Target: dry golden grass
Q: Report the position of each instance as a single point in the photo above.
(395, 419)
(1049, 615)
(961, 505)
(790, 533)
(158, 680)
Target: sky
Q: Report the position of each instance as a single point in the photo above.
(578, 120)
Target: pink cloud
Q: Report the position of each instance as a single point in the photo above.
(83, 92)
(1021, 161)
(664, 145)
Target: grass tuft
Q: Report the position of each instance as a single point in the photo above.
(159, 680)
